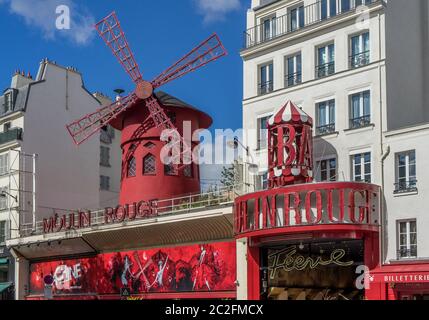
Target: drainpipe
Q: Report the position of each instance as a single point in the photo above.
(384, 153)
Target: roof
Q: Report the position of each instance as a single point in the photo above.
(168, 100)
(290, 113)
(19, 101)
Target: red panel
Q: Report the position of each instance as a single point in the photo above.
(197, 268)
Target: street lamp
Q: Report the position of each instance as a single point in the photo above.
(235, 144)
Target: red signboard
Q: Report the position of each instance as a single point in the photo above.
(197, 268)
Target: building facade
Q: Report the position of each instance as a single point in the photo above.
(42, 172)
(343, 63)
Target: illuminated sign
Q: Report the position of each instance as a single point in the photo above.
(288, 260)
(80, 220)
(307, 205)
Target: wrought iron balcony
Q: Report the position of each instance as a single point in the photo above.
(360, 122)
(11, 135)
(293, 79)
(360, 59)
(406, 186)
(407, 253)
(265, 87)
(325, 70)
(325, 129)
(288, 23)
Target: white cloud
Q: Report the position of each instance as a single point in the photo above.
(41, 14)
(214, 10)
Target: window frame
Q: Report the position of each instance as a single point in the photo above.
(330, 106)
(3, 232)
(365, 118)
(259, 132)
(362, 51)
(362, 164)
(152, 173)
(329, 176)
(327, 68)
(408, 244)
(296, 13)
(106, 185)
(410, 184)
(105, 156)
(267, 86)
(296, 74)
(130, 161)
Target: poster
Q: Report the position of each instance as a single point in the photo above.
(197, 268)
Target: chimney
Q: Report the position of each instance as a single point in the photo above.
(20, 80)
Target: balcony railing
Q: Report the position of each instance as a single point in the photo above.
(288, 23)
(265, 87)
(360, 122)
(407, 253)
(360, 59)
(11, 135)
(165, 207)
(325, 70)
(406, 186)
(293, 79)
(325, 129)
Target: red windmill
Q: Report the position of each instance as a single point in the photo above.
(140, 115)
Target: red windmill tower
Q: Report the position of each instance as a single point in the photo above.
(142, 115)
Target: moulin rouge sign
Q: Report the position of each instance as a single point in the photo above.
(308, 204)
(83, 219)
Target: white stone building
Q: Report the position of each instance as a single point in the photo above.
(41, 170)
(362, 74)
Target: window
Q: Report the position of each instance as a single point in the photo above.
(131, 167)
(407, 234)
(2, 232)
(325, 117)
(269, 28)
(170, 170)
(361, 166)
(8, 101)
(149, 165)
(325, 61)
(346, 5)
(266, 76)
(328, 170)
(263, 132)
(104, 156)
(360, 110)
(406, 172)
(360, 53)
(187, 171)
(263, 181)
(7, 126)
(293, 70)
(4, 164)
(328, 8)
(150, 145)
(296, 18)
(3, 198)
(104, 183)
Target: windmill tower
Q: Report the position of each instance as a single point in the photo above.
(142, 115)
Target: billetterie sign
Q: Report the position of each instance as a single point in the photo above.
(84, 218)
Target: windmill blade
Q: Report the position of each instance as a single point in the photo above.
(208, 51)
(111, 32)
(82, 129)
(161, 120)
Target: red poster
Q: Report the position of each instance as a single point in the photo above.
(199, 268)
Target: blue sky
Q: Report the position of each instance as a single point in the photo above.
(159, 33)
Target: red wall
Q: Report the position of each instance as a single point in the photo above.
(158, 186)
(186, 270)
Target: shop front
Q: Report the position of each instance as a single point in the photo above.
(304, 240)
(318, 251)
(400, 281)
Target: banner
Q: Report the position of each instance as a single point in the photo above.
(197, 268)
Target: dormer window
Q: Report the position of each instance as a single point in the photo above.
(8, 101)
